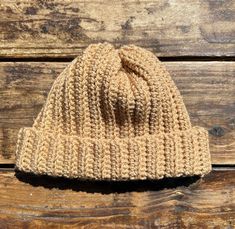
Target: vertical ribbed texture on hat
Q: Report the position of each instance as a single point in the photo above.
(114, 114)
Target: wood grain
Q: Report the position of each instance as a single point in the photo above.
(168, 28)
(49, 202)
(208, 89)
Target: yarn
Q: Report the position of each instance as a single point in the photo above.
(114, 114)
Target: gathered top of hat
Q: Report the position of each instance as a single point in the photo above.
(114, 114)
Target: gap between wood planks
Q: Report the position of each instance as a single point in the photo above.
(222, 167)
(164, 59)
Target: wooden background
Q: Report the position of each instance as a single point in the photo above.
(196, 42)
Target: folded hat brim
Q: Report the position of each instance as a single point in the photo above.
(181, 153)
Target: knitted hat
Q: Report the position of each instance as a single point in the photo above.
(114, 114)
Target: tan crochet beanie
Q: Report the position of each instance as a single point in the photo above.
(114, 114)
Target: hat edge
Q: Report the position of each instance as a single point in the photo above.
(184, 153)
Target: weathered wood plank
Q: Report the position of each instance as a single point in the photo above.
(208, 89)
(63, 28)
(42, 202)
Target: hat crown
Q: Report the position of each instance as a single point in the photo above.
(107, 92)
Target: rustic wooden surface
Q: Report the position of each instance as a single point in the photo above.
(59, 28)
(43, 202)
(208, 89)
(196, 40)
